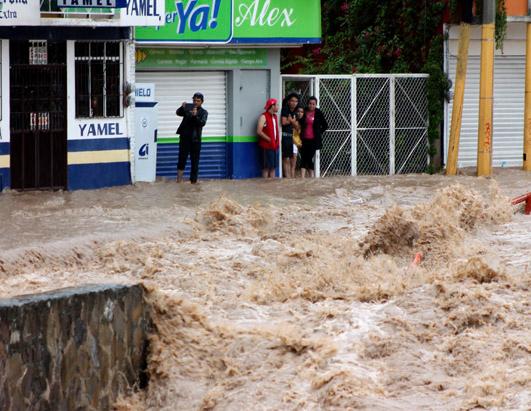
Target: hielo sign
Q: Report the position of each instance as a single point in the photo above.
(145, 132)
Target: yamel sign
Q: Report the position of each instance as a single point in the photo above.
(237, 21)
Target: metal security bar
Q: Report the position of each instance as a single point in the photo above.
(386, 113)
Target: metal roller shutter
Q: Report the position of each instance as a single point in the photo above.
(171, 89)
(509, 88)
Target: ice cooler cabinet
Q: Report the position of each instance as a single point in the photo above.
(145, 132)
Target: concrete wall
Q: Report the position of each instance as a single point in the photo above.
(248, 90)
(513, 44)
(75, 348)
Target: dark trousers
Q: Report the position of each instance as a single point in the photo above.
(192, 148)
(307, 153)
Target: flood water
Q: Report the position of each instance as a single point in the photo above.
(302, 294)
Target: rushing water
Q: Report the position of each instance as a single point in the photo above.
(302, 294)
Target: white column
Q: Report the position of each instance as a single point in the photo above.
(353, 127)
(318, 152)
(72, 130)
(4, 92)
(129, 112)
(392, 118)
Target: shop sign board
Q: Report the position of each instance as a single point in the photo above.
(143, 13)
(219, 58)
(102, 4)
(20, 13)
(237, 21)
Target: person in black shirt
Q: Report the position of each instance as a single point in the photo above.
(190, 131)
(288, 118)
(313, 126)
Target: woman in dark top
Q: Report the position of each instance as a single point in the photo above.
(313, 125)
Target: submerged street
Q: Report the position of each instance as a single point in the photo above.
(301, 294)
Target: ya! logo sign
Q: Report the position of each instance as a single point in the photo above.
(196, 15)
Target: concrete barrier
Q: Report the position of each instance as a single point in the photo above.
(75, 348)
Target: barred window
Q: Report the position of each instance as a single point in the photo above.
(99, 75)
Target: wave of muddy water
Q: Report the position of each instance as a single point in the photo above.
(301, 295)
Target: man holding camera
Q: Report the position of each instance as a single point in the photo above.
(190, 131)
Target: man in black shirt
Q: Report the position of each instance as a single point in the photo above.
(190, 131)
(288, 118)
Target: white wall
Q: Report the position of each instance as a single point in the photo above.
(514, 43)
(81, 129)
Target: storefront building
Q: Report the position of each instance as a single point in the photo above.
(66, 78)
(509, 90)
(230, 51)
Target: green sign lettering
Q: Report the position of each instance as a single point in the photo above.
(156, 58)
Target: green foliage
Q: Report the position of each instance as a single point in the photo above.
(438, 87)
(382, 36)
(501, 24)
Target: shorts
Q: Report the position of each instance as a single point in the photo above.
(287, 145)
(269, 158)
(295, 150)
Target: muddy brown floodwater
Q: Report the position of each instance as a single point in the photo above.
(302, 295)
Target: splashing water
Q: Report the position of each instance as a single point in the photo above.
(301, 294)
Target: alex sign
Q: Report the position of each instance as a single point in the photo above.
(237, 21)
(19, 12)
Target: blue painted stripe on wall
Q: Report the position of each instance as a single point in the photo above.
(145, 104)
(98, 144)
(5, 178)
(4, 148)
(212, 162)
(90, 176)
(244, 160)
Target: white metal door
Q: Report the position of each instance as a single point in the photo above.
(509, 88)
(172, 89)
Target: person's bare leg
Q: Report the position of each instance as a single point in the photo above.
(293, 162)
(303, 173)
(180, 175)
(286, 167)
(265, 173)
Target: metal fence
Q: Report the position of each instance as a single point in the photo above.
(387, 114)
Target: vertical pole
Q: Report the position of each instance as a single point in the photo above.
(459, 94)
(392, 125)
(280, 99)
(354, 126)
(486, 85)
(527, 113)
(129, 59)
(318, 152)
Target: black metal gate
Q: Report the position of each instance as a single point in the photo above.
(38, 114)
